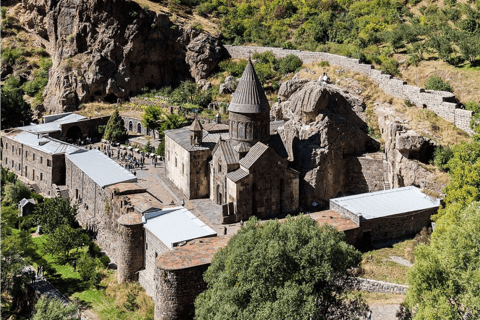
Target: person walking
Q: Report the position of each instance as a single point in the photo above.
(74, 265)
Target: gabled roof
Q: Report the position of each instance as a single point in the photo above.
(225, 147)
(53, 125)
(253, 155)
(41, 142)
(100, 168)
(24, 201)
(242, 147)
(182, 137)
(249, 96)
(237, 175)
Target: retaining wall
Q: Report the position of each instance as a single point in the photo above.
(440, 102)
(379, 286)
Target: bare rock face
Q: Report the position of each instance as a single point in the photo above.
(325, 125)
(405, 151)
(104, 50)
(228, 86)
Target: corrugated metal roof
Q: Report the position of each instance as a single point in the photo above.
(237, 175)
(388, 202)
(249, 96)
(54, 125)
(100, 168)
(231, 156)
(42, 143)
(174, 225)
(252, 156)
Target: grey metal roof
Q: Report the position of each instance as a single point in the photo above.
(42, 143)
(182, 137)
(253, 155)
(249, 96)
(24, 201)
(174, 225)
(388, 202)
(237, 175)
(53, 125)
(100, 168)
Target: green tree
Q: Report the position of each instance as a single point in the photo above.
(7, 177)
(289, 64)
(14, 192)
(437, 83)
(64, 239)
(89, 269)
(54, 309)
(115, 130)
(444, 279)
(151, 118)
(281, 270)
(56, 212)
(15, 111)
(475, 121)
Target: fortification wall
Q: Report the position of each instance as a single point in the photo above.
(153, 247)
(442, 103)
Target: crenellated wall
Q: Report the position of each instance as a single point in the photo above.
(442, 103)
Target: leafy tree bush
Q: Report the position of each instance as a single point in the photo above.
(15, 111)
(289, 270)
(63, 240)
(289, 64)
(437, 83)
(475, 121)
(53, 309)
(441, 157)
(115, 130)
(7, 177)
(14, 192)
(56, 212)
(89, 269)
(234, 68)
(444, 279)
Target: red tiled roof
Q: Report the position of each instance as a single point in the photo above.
(195, 253)
(334, 219)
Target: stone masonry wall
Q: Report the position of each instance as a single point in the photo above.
(130, 255)
(153, 247)
(177, 162)
(176, 290)
(379, 286)
(344, 212)
(134, 124)
(442, 103)
(363, 174)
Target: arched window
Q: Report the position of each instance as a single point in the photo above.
(130, 125)
(139, 128)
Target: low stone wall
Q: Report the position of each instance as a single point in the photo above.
(442, 103)
(379, 286)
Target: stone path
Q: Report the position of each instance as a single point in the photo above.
(384, 311)
(45, 288)
(402, 261)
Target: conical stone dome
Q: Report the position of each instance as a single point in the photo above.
(249, 96)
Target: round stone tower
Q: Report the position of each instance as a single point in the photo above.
(130, 247)
(249, 112)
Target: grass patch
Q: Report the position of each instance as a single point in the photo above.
(377, 265)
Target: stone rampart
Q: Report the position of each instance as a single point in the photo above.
(379, 286)
(442, 103)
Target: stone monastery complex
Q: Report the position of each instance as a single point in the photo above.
(162, 226)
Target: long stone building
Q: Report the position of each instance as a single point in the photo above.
(244, 170)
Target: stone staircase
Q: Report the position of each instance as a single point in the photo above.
(386, 182)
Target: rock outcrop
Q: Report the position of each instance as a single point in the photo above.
(104, 50)
(324, 125)
(228, 86)
(406, 151)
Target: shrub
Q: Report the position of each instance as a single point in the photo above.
(324, 64)
(289, 64)
(146, 8)
(89, 268)
(3, 12)
(408, 103)
(441, 157)
(36, 85)
(437, 83)
(232, 67)
(105, 260)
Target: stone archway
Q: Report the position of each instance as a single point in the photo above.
(130, 125)
(139, 128)
(74, 133)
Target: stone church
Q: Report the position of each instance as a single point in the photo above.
(245, 169)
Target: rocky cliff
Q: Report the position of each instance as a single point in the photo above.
(104, 50)
(324, 126)
(407, 153)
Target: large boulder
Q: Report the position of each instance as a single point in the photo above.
(325, 125)
(104, 50)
